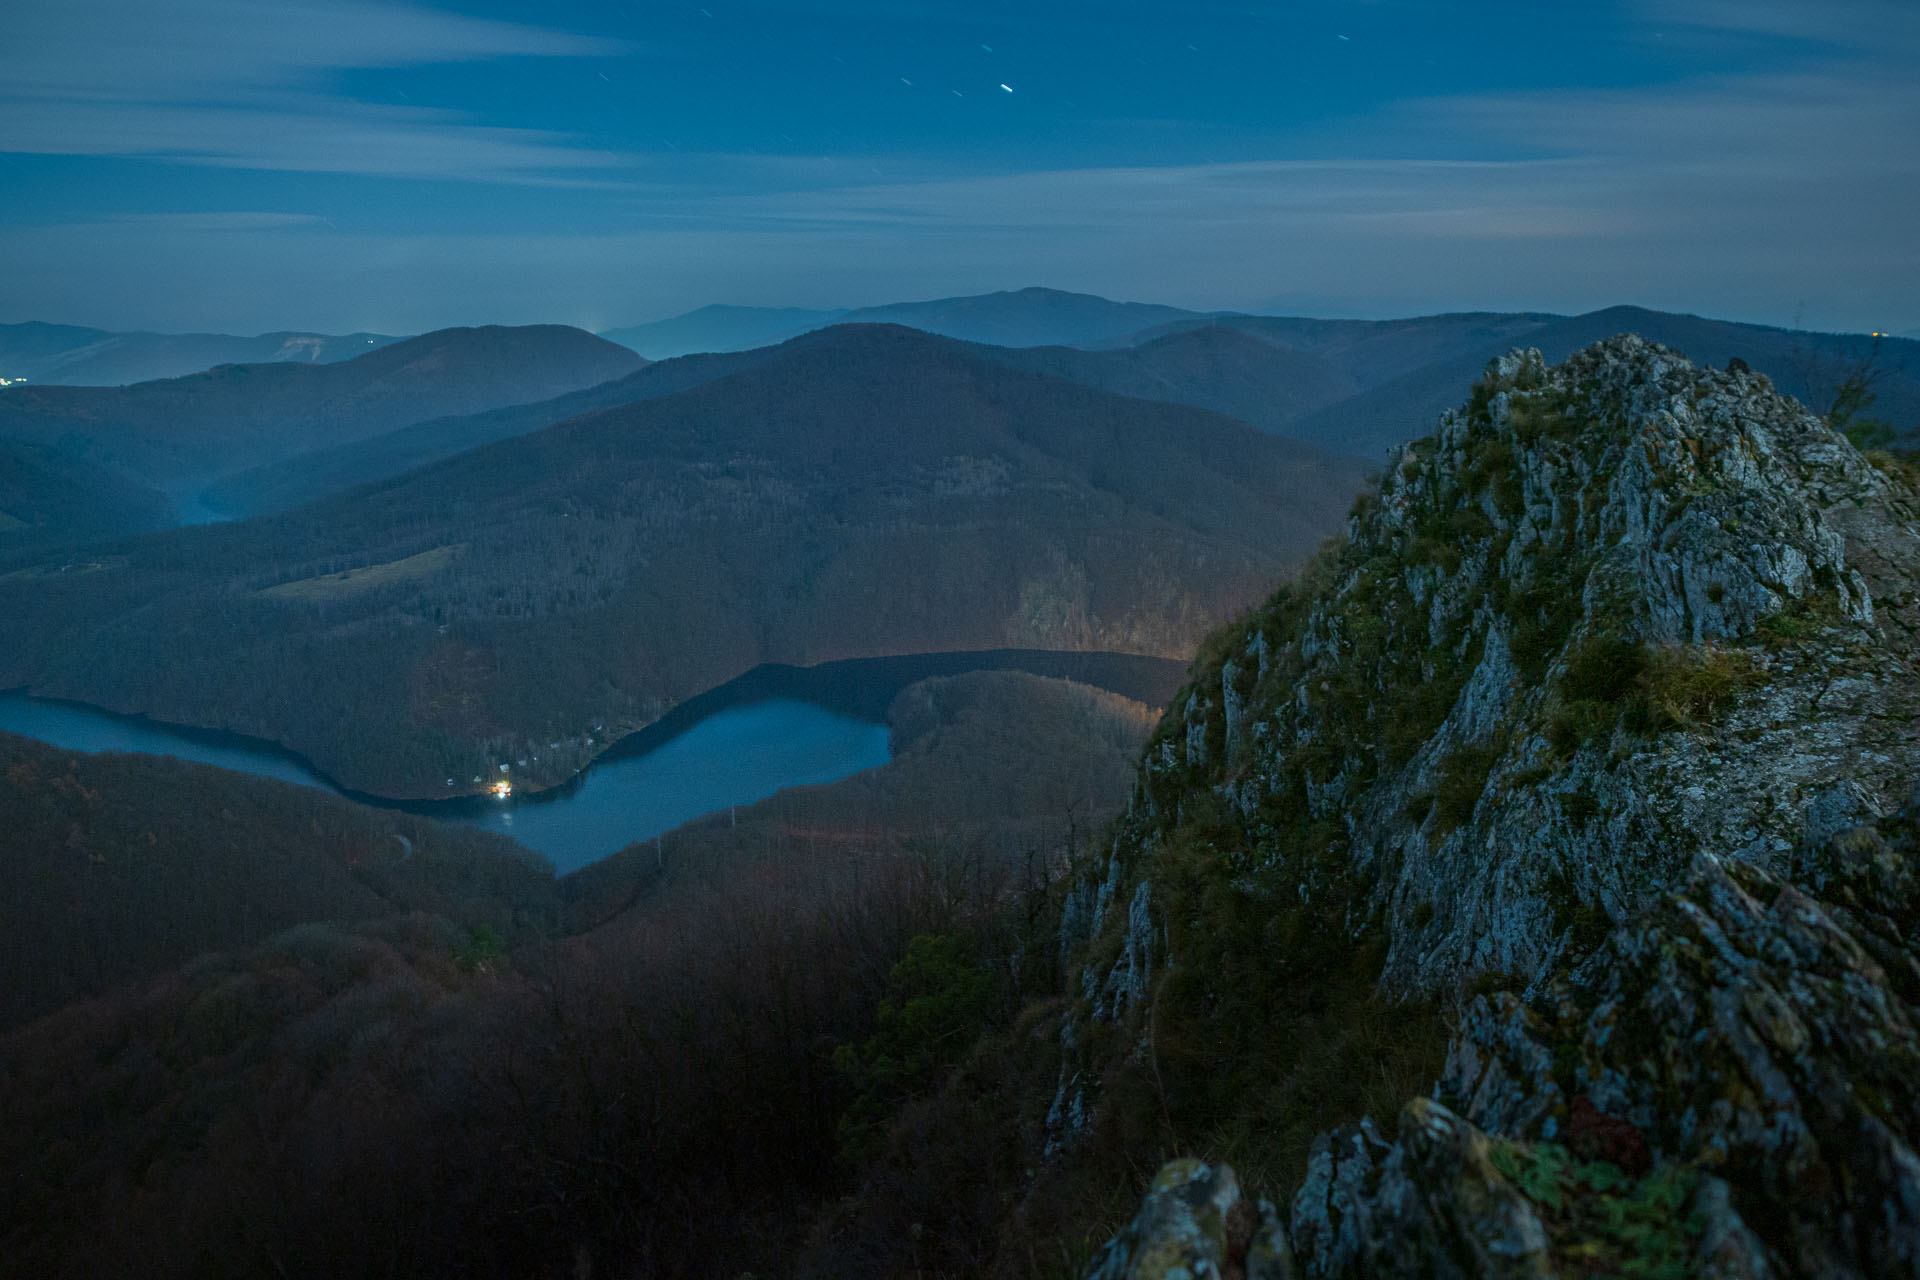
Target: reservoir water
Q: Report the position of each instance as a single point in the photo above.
(732, 757)
(774, 727)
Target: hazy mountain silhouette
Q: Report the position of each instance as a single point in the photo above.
(1221, 369)
(66, 355)
(29, 350)
(1211, 367)
(1372, 351)
(1804, 365)
(1024, 317)
(719, 328)
(1353, 386)
(307, 477)
(1013, 318)
(181, 430)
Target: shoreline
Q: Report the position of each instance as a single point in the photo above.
(862, 688)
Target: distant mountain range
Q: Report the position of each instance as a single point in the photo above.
(1806, 366)
(320, 473)
(1220, 369)
(72, 356)
(1350, 386)
(1025, 318)
(719, 328)
(254, 439)
(1017, 318)
(187, 430)
(864, 490)
(1215, 367)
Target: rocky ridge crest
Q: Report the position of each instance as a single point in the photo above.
(1626, 641)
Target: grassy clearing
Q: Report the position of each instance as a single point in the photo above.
(341, 586)
(66, 568)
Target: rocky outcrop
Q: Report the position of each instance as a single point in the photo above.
(1596, 711)
(1195, 1225)
(1612, 615)
(1729, 1087)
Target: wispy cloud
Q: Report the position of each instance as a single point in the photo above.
(1878, 27)
(251, 84)
(219, 221)
(317, 136)
(1181, 198)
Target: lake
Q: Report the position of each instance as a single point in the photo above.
(776, 726)
(732, 757)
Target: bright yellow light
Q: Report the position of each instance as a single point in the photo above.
(503, 789)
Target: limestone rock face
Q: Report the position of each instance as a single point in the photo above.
(1602, 704)
(1612, 615)
(1730, 1086)
(1195, 1225)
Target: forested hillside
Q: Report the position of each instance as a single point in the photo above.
(1211, 367)
(48, 499)
(1219, 369)
(321, 473)
(871, 490)
(117, 867)
(406, 1094)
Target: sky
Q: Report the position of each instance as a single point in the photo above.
(341, 165)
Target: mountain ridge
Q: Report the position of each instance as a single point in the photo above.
(1806, 365)
(1354, 386)
(718, 328)
(1217, 370)
(72, 355)
(1606, 703)
(1032, 316)
(188, 429)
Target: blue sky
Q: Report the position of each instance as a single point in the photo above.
(360, 164)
